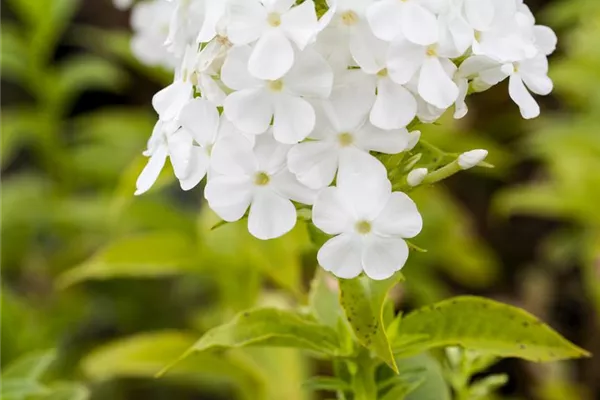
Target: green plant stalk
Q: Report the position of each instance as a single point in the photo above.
(364, 384)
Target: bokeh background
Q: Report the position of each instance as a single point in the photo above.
(119, 286)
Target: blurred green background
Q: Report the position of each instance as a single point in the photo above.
(119, 286)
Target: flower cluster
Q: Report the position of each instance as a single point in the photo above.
(286, 104)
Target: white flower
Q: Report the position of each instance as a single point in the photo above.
(122, 4)
(199, 72)
(370, 223)
(409, 18)
(186, 21)
(255, 102)
(343, 136)
(255, 178)
(150, 23)
(395, 106)
(532, 73)
(188, 161)
(214, 13)
(472, 158)
(169, 102)
(428, 64)
(273, 25)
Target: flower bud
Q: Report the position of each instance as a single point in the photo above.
(472, 158)
(416, 176)
(413, 139)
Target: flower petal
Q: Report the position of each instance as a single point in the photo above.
(234, 73)
(152, 170)
(331, 213)
(384, 17)
(271, 215)
(404, 60)
(419, 25)
(400, 216)
(250, 110)
(310, 76)
(300, 24)
(287, 185)
(201, 118)
(479, 13)
(294, 119)
(394, 108)
(247, 21)
(341, 256)
(272, 56)
(371, 138)
(229, 196)
(199, 162)
(234, 156)
(382, 257)
(527, 105)
(435, 86)
(314, 163)
(170, 100)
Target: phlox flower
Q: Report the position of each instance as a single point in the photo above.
(256, 102)
(274, 25)
(369, 222)
(255, 178)
(413, 19)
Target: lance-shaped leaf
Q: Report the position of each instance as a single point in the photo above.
(487, 326)
(268, 327)
(149, 255)
(363, 302)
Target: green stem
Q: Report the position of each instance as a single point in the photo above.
(364, 385)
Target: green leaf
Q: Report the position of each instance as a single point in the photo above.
(326, 383)
(14, 58)
(487, 326)
(433, 386)
(30, 367)
(363, 302)
(271, 327)
(19, 389)
(66, 391)
(146, 256)
(402, 387)
(143, 355)
(86, 72)
(323, 299)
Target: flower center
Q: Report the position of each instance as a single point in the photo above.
(383, 73)
(363, 227)
(276, 86)
(274, 19)
(345, 139)
(477, 36)
(223, 41)
(431, 51)
(350, 18)
(262, 179)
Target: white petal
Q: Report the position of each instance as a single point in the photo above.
(214, 11)
(350, 103)
(250, 110)
(419, 25)
(310, 76)
(404, 60)
(152, 170)
(294, 119)
(538, 84)
(272, 56)
(169, 101)
(271, 215)
(545, 39)
(331, 213)
(234, 73)
(384, 18)
(394, 108)
(278, 6)
(476, 64)
(271, 154)
(371, 138)
(234, 156)
(300, 23)
(201, 118)
(368, 51)
(527, 105)
(382, 257)
(228, 196)
(287, 185)
(435, 86)
(341, 256)
(400, 216)
(314, 163)
(460, 106)
(248, 20)
(363, 183)
(199, 163)
(479, 13)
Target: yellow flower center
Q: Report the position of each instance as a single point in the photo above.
(262, 179)
(350, 18)
(431, 51)
(363, 227)
(383, 73)
(276, 86)
(345, 139)
(274, 19)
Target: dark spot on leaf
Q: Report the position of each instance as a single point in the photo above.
(522, 346)
(525, 324)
